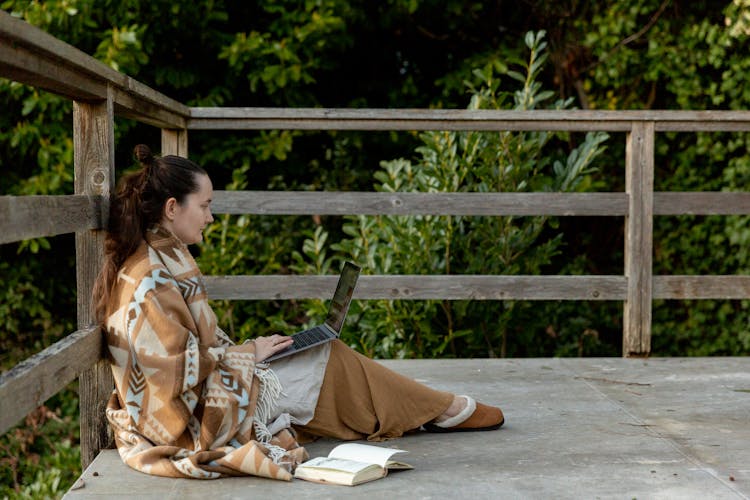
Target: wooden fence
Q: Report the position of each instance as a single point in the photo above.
(32, 57)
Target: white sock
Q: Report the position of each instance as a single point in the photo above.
(471, 405)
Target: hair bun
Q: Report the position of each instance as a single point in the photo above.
(143, 154)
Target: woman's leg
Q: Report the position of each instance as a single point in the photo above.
(360, 398)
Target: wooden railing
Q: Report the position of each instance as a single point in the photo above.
(30, 56)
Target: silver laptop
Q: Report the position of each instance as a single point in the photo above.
(337, 310)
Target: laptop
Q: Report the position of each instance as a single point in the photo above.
(337, 310)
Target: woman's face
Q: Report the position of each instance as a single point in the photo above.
(187, 220)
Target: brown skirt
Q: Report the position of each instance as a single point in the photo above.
(360, 398)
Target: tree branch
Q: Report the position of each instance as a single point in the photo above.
(635, 36)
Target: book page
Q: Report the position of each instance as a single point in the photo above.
(346, 465)
(364, 453)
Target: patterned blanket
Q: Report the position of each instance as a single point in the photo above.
(187, 402)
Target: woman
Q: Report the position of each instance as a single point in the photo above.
(188, 402)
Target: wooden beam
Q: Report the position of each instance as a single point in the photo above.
(420, 287)
(21, 65)
(31, 56)
(702, 203)
(174, 142)
(366, 203)
(93, 146)
(473, 287)
(389, 119)
(639, 185)
(135, 106)
(26, 217)
(699, 287)
(228, 118)
(517, 204)
(30, 383)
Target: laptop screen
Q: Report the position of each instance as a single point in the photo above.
(342, 297)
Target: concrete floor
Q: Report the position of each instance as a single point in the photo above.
(666, 428)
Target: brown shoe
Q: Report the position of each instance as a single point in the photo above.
(482, 418)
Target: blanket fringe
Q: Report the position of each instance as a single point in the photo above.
(268, 394)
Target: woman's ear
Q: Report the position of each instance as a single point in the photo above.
(170, 208)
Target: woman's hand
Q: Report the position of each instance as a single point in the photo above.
(265, 347)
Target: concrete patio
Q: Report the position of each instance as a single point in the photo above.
(575, 428)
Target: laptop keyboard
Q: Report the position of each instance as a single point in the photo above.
(309, 337)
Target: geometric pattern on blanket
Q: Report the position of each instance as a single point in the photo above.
(188, 402)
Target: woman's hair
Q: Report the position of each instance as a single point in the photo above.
(138, 204)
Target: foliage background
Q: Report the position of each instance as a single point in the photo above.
(615, 54)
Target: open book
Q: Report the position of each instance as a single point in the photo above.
(350, 464)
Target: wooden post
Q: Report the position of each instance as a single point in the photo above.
(93, 143)
(639, 185)
(174, 142)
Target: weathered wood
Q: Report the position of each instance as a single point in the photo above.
(639, 182)
(18, 33)
(93, 143)
(420, 287)
(722, 124)
(26, 217)
(460, 119)
(134, 106)
(174, 142)
(699, 287)
(385, 125)
(30, 383)
(464, 287)
(519, 204)
(20, 64)
(701, 203)
(343, 203)
(29, 55)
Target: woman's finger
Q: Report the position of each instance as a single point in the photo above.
(285, 342)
